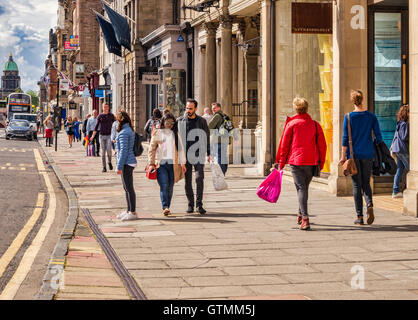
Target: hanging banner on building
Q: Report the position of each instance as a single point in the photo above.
(64, 85)
(314, 18)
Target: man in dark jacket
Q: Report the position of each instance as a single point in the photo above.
(194, 133)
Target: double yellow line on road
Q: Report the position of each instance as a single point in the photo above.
(25, 265)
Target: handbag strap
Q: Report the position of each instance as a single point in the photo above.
(350, 139)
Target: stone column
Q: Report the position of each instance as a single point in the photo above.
(226, 64)
(202, 80)
(411, 193)
(265, 156)
(210, 67)
(234, 79)
(349, 72)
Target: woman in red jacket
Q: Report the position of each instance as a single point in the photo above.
(303, 147)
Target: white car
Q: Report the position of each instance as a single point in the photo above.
(32, 118)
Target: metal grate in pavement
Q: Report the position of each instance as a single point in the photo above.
(134, 290)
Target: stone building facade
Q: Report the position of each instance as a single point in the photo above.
(144, 16)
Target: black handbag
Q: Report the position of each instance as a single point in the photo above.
(317, 168)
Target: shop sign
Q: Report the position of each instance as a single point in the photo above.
(99, 93)
(72, 105)
(151, 78)
(180, 38)
(64, 85)
(314, 18)
(104, 87)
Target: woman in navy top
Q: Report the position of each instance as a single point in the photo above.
(400, 147)
(362, 124)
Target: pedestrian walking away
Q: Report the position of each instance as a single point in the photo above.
(195, 157)
(105, 121)
(113, 135)
(219, 140)
(77, 135)
(126, 162)
(91, 125)
(153, 123)
(69, 129)
(49, 127)
(400, 148)
(163, 156)
(84, 130)
(360, 124)
(304, 148)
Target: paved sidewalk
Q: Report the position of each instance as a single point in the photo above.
(244, 248)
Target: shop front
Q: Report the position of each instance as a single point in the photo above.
(165, 74)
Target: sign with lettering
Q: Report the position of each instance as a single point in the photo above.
(151, 78)
(314, 18)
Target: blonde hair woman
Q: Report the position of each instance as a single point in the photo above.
(304, 148)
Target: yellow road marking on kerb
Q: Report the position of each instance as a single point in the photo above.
(20, 238)
(23, 269)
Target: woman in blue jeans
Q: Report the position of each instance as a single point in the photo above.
(400, 147)
(163, 156)
(363, 123)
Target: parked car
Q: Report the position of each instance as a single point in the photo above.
(33, 120)
(19, 128)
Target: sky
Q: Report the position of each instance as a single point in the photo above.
(24, 32)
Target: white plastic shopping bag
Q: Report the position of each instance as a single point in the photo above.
(218, 177)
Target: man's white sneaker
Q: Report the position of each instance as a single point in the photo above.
(397, 195)
(129, 216)
(120, 215)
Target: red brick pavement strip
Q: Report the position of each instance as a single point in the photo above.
(93, 281)
(83, 239)
(79, 254)
(93, 262)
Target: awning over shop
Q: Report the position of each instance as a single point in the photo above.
(109, 36)
(120, 26)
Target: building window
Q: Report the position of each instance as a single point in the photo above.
(63, 62)
(64, 38)
(66, 14)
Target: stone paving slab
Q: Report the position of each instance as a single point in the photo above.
(244, 247)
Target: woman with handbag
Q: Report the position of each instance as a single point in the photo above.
(304, 148)
(358, 148)
(164, 157)
(400, 147)
(126, 162)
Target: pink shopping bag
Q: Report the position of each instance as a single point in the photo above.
(270, 189)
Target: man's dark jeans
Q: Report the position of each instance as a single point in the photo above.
(165, 178)
(302, 176)
(361, 185)
(95, 141)
(200, 175)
